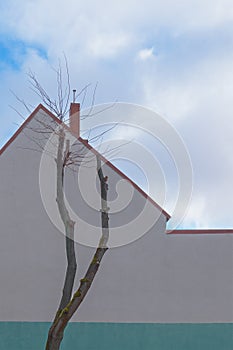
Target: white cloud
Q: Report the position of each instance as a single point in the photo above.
(107, 45)
(201, 107)
(198, 213)
(65, 26)
(146, 54)
(174, 101)
(208, 82)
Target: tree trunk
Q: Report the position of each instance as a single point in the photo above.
(62, 318)
(54, 341)
(62, 157)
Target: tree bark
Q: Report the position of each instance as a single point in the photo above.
(62, 157)
(61, 320)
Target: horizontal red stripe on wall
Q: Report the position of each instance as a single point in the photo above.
(200, 231)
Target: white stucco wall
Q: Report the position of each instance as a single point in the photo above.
(157, 278)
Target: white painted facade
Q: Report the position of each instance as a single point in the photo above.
(156, 278)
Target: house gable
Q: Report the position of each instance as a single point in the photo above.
(40, 107)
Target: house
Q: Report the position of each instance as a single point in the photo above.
(152, 289)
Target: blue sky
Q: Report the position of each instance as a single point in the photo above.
(175, 57)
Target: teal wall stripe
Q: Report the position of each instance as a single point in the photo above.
(120, 336)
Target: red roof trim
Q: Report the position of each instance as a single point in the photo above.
(199, 231)
(31, 116)
(85, 143)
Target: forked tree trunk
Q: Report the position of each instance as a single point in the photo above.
(62, 318)
(62, 156)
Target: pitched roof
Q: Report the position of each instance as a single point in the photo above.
(86, 144)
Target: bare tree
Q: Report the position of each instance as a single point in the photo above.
(65, 158)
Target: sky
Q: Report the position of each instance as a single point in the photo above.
(173, 57)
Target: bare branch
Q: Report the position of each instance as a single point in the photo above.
(84, 116)
(21, 101)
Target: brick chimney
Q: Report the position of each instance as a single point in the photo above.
(75, 118)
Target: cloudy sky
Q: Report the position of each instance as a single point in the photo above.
(175, 57)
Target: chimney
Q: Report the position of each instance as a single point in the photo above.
(75, 118)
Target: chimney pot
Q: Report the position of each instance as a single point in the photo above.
(75, 118)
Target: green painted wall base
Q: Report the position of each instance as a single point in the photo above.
(120, 336)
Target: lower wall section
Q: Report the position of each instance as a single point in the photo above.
(120, 336)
